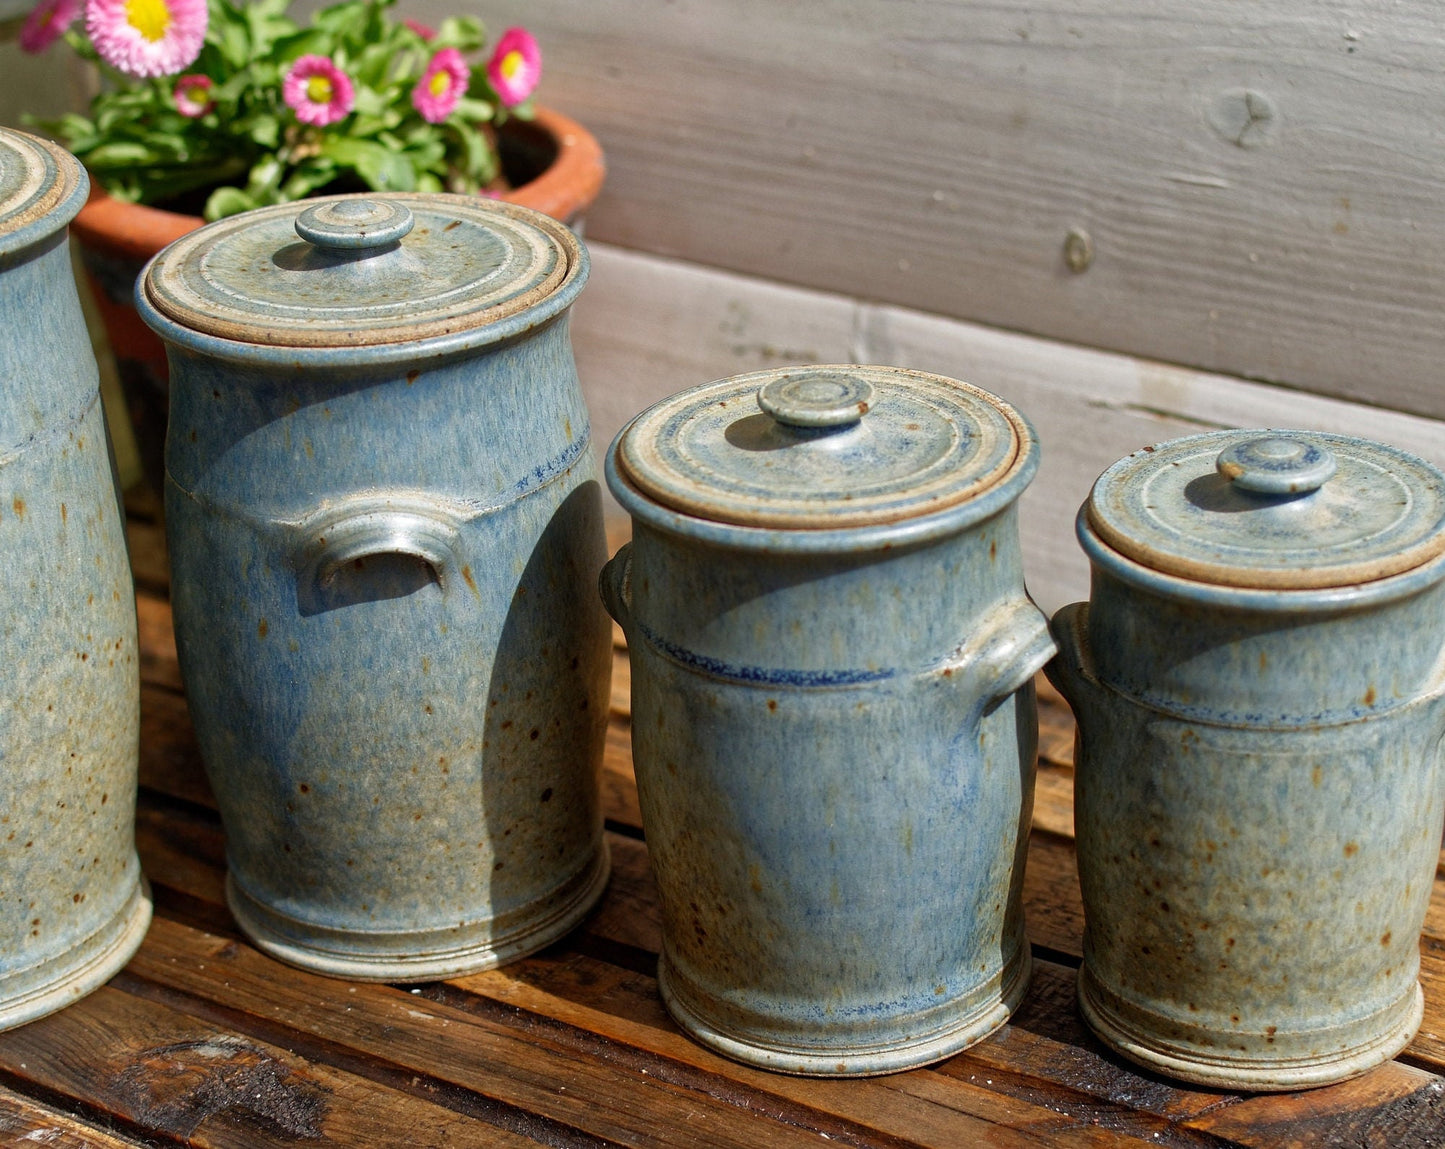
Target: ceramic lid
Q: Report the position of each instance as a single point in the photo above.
(822, 447)
(42, 186)
(364, 270)
(1272, 509)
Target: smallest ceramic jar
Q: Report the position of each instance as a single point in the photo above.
(833, 716)
(1260, 689)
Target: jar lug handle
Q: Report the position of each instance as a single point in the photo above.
(615, 586)
(370, 530)
(1004, 657)
(1072, 671)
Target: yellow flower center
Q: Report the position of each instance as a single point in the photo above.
(512, 63)
(440, 82)
(318, 90)
(150, 18)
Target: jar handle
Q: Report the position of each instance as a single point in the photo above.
(373, 529)
(1072, 671)
(1005, 656)
(615, 585)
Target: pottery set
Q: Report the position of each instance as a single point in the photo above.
(73, 904)
(385, 530)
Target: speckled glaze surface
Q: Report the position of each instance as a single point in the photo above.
(833, 726)
(384, 553)
(1258, 776)
(73, 906)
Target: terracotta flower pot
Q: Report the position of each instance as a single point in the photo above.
(116, 240)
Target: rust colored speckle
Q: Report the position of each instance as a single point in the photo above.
(1385, 937)
(546, 795)
(19, 505)
(63, 515)
(1370, 697)
(1351, 849)
(772, 703)
(104, 798)
(948, 672)
(193, 434)
(992, 550)
(454, 223)
(1148, 450)
(1164, 907)
(1315, 775)
(507, 725)
(412, 376)
(536, 733)
(305, 789)
(1234, 1017)
(471, 582)
(1263, 660)
(1229, 943)
(262, 627)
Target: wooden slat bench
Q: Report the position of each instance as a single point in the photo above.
(203, 1040)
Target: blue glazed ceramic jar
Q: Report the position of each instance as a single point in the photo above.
(1259, 680)
(385, 527)
(73, 905)
(833, 718)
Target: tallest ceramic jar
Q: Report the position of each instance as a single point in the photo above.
(385, 532)
(73, 906)
(1259, 679)
(833, 717)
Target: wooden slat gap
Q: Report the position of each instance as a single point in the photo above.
(394, 1075)
(663, 1068)
(116, 1124)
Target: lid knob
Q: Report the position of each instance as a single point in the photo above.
(351, 225)
(1277, 465)
(816, 400)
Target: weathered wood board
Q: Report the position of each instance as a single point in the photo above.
(1263, 184)
(646, 327)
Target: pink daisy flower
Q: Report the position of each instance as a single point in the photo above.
(515, 67)
(318, 91)
(147, 37)
(45, 24)
(425, 31)
(193, 95)
(442, 84)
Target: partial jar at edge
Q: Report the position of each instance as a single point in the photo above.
(73, 904)
(1259, 682)
(834, 724)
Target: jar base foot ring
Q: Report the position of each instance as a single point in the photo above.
(413, 956)
(1218, 1071)
(32, 993)
(876, 1057)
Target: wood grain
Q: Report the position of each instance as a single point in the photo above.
(1262, 184)
(648, 327)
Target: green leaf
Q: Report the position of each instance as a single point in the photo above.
(227, 201)
(381, 168)
(474, 111)
(121, 154)
(306, 42)
(463, 32)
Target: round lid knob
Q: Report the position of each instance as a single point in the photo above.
(1276, 510)
(820, 400)
(349, 225)
(1277, 466)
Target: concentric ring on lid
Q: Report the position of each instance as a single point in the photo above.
(37, 178)
(1273, 509)
(464, 262)
(822, 447)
